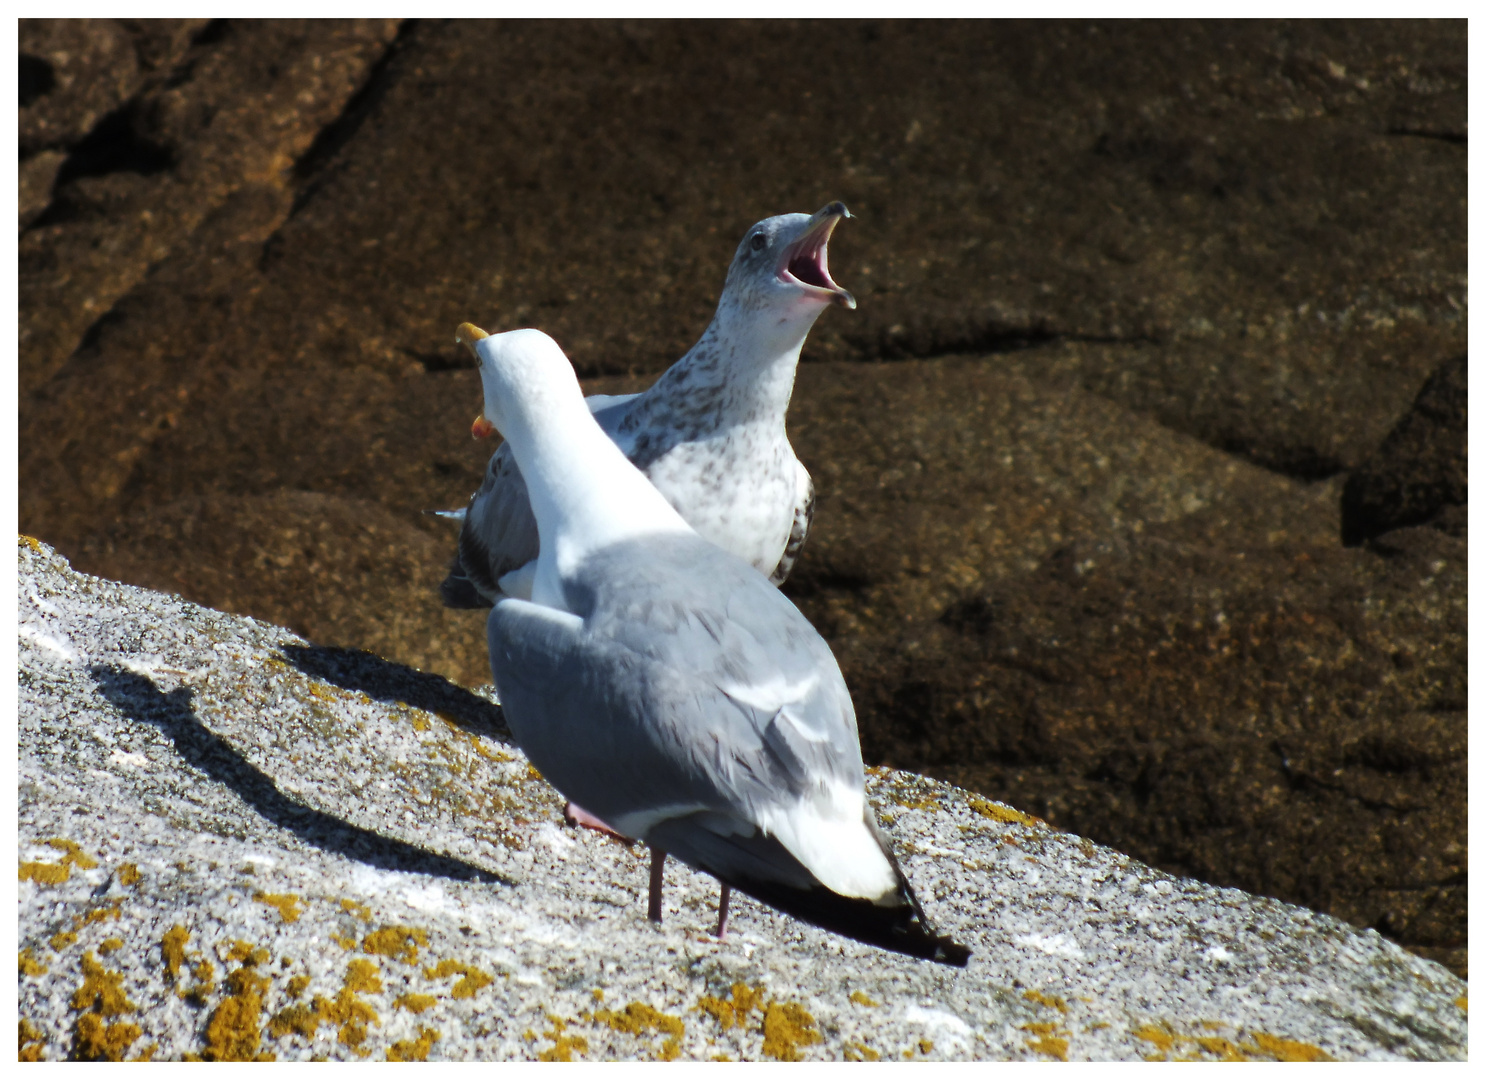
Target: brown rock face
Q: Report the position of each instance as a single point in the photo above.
(1418, 474)
(1138, 304)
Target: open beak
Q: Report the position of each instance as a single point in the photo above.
(467, 335)
(803, 263)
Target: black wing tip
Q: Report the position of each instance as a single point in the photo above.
(917, 940)
(458, 591)
(952, 953)
(899, 929)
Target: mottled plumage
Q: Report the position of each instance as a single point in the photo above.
(709, 434)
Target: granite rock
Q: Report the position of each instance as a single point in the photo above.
(235, 844)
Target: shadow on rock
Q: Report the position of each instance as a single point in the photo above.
(138, 698)
(356, 670)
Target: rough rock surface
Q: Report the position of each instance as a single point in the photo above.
(235, 844)
(1138, 303)
(1143, 639)
(1418, 474)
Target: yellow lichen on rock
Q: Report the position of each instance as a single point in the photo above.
(859, 1052)
(1049, 1000)
(1051, 1039)
(110, 912)
(29, 965)
(45, 873)
(295, 1019)
(101, 990)
(95, 1040)
(30, 542)
(787, 1027)
(32, 1042)
(473, 981)
(1220, 1048)
(734, 1012)
(348, 1010)
(233, 1033)
(244, 952)
(637, 1018)
(363, 977)
(997, 812)
(1289, 1049)
(173, 949)
(398, 942)
(413, 1049)
(1161, 1039)
(101, 995)
(73, 853)
(416, 1003)
(1053, 1046)
(129, 875)
(204, 973)
(297, 985)
(563, 1044)
(287, 904)
(61, 940)
(113, 944)
(862, 999)
(58, 872)
(1262, 1047)
(927, 802)
(357, 908)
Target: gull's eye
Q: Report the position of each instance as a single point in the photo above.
(759, 242)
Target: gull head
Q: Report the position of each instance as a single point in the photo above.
(781, 265)
(522, 373)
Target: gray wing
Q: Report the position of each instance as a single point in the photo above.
(799, 528)
(678, 720)
(668, 704)
(499, 533)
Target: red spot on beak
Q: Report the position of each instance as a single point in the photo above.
(482, 428)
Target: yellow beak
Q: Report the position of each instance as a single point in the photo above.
(467, 335)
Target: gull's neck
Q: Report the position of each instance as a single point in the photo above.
(584, 493)
(741, 372)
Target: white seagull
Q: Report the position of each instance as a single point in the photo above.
(668, 687)
(709, 433)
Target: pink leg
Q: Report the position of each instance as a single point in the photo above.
(574, 814)
(657, 879)
(722, 912)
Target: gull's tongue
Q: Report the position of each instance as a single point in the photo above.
(807, 259)
(807, 269)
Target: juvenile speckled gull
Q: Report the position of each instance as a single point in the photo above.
(710, 433)
(665, 685)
